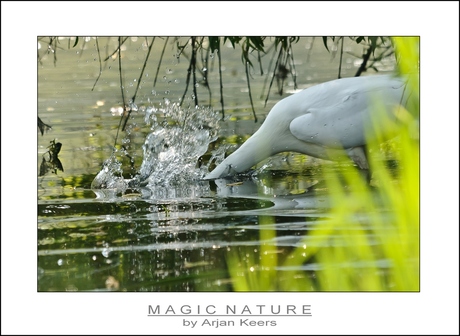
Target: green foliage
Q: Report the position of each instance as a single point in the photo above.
(52, 162)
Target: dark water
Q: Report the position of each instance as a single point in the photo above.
(165, 245)
(91, 240)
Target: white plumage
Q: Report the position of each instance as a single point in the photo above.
(321, 121)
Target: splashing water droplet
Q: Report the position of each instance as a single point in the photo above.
(106, 252)
(171, 151)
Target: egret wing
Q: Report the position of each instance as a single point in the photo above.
(344, 120)
(338, 126)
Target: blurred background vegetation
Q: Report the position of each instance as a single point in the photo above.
(202, 54)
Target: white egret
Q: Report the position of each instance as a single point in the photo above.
(322, 121)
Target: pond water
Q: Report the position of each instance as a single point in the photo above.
(165, 237)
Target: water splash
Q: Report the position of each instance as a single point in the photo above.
(179, 137)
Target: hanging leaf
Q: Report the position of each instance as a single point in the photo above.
(325, 42)
(76, 42)
(257, 43)
(42, 126)
(214, 43)
(359, 39)
(233, 40)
